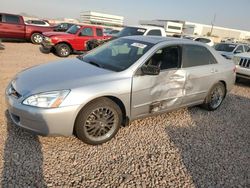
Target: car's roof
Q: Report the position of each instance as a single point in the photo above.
(157, 39)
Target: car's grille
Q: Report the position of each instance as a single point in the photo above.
(13, 92)
(244, 63)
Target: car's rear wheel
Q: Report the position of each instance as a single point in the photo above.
(215, 97)
(63, 50)
(36, 38)
(98, 122)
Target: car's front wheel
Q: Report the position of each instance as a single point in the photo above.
(63, 50)
(215, 97)
(98, 122)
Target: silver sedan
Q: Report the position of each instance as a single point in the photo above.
(125, 79)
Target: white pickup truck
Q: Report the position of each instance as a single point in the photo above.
(242, 62)
(142, 30)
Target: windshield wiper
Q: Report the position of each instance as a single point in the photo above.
(90, 62)
(95, 64)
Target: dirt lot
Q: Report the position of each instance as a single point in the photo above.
(186, 148)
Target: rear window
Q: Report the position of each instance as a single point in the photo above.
(155, 32)
(38, 22)
(204, 40)
(129, 31)
(0, 18)
(11, 19)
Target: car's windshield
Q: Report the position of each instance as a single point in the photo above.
(225, 47)
(73, 29)
(129, 31)
(117, 55)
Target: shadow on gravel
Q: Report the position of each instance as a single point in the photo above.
(243, 82)
(23, 158)
(215, 147)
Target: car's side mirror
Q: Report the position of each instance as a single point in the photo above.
(150, 70)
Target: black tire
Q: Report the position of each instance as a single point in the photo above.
(63, 50)
(98, 121)
(36, 38)
(215, 97)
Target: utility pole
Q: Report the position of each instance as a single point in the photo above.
(212, 23)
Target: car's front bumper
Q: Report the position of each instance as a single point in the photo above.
(46, 47)
(242, 72)
(54, 121)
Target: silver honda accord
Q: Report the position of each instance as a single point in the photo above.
(94, 94)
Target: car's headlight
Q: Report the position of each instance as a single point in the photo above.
(47, 39)
(51, 99)
(236, 60)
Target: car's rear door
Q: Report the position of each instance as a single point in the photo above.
(201, 73)
(11, 27)
(157, 93)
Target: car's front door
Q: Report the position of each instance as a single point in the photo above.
(84, 35)
(156, 93)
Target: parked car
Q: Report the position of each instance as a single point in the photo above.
(144, 30)
(74, 40)
(242, 62)
(13, 27)
(63, 27)
(122, 80)
(228, 50)
(37, 22)
(205, 40)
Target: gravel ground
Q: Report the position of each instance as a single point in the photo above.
(186, 148)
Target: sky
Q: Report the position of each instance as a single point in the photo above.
(229, 13)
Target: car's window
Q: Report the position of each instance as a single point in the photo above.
(167, 58)
(204, 40)
(246, 48)
(86, 32)
(38, 22)
(128, 31)
(225, 47)
(155, 32)
(73, 29)
(99, 32)
(1, 18)
(194, 55)
(117, 55)
(64, 26)
(11, 19)
(239, 49)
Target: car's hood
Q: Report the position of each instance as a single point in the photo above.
(53, 33)
(66, 74)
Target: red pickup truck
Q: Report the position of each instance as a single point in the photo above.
(74, 40)
(13, 27)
